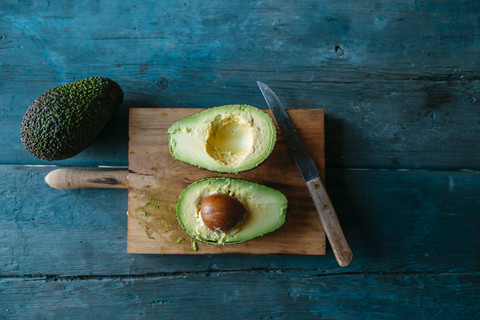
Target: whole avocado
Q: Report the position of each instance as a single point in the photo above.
(65, 120)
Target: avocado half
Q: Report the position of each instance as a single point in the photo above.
(266, 209)
(227, 139)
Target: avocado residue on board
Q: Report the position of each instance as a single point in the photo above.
(156, 215)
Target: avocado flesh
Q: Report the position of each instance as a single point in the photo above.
(266, 209)
(65, 120)
(227, 139)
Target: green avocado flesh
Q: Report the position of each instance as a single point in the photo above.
(266, 209)
(65, 120)
(226, 139)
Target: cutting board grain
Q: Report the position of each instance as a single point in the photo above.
(155, 180)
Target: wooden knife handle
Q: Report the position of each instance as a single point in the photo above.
(79, 179)
(331, 225)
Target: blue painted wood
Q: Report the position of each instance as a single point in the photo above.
(246, 295)
(395, 221)
(399, 81)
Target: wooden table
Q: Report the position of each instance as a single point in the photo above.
(399, 82)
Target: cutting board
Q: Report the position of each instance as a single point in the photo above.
(155, 180)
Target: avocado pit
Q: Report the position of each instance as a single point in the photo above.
(222, 212)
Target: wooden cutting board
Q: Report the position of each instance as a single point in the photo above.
(155, 180)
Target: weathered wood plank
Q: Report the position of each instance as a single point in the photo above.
(155, 177)
(399, 81)
(245, 295)
(395, 221)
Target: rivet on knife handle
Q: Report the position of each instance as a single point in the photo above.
(331, 225)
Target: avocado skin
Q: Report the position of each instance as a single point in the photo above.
(65, 120)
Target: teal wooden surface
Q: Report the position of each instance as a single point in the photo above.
(247, 295)
(399, 82)
(397, 221)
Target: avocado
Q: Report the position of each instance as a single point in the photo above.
(226, 139)
(249, 210)
(65, 120)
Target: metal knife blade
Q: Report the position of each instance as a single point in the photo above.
(304, 162)
(309, 172)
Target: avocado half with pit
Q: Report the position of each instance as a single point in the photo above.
(223, 211)
(227, 139)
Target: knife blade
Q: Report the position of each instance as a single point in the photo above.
(310, 175)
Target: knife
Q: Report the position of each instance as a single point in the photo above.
(310, 174)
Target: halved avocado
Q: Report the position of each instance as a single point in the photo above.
(265, 210)
(227, 139)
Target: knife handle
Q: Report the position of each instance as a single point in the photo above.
(79, 179)
(331, 225)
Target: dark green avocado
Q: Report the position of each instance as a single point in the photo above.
(65, 120)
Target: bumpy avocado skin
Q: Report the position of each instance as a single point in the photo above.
(65, 120)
